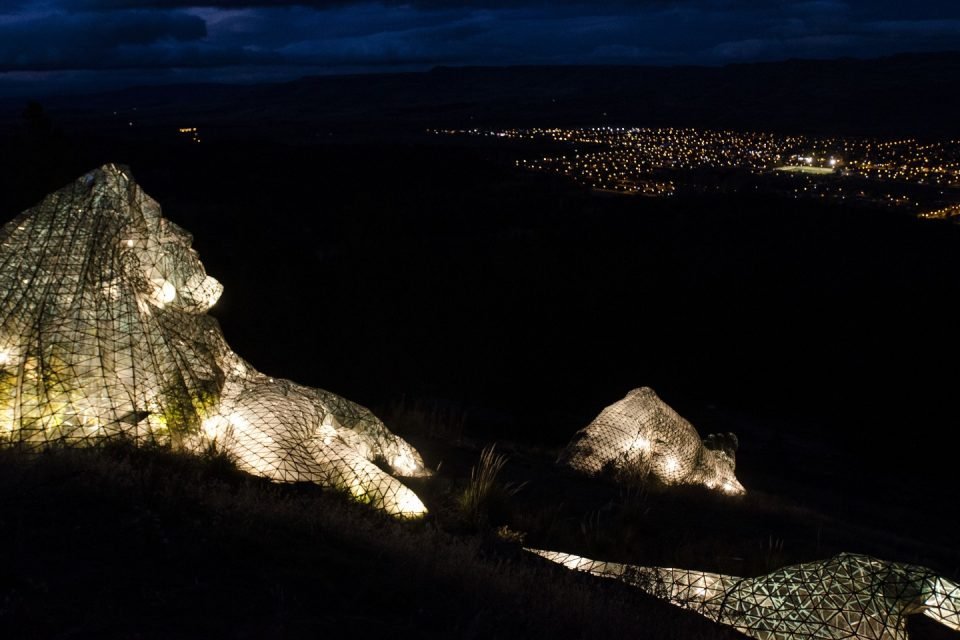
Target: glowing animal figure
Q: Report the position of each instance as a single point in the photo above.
(642, 435)
(847, 596)
(104, 332)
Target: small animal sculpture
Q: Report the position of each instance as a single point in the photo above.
(641, 435)
(848, 596)
(104, 333)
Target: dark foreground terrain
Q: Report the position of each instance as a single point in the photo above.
(128, 543)
(146, 544)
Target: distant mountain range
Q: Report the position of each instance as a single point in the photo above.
(911, 94)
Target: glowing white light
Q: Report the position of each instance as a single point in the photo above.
(409, 505)
(237, 421)
(328, 429)
(212, 291)
(168, 292)
(404, 464)
(214, 427)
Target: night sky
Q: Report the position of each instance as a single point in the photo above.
(70, 45)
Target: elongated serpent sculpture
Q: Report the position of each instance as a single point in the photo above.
(844, 597)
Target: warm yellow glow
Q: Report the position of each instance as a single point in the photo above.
(404, 464)
(409, 505)
(943, 604)
(642, 434)
(328, 429)
(214, 427)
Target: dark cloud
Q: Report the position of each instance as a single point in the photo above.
(257, 39)
(85, 40)
(107, 5)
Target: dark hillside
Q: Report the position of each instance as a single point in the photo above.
(145, 544)
(910, 94)
(440, 273)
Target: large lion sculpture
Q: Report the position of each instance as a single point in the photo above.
(104, 334)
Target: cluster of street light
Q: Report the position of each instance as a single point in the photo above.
(652, 161)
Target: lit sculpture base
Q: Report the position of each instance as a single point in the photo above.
(641, 436)
(847, 596)
(104, 333)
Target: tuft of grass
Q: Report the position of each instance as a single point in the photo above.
(636, 477)
(485, 499)
(772, 555)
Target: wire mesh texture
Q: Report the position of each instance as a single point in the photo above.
(104, 334)
(846, 596)
(641, 435)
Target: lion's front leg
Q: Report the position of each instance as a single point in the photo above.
(368, 436)
(343, 468)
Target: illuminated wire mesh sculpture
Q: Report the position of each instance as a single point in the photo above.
(641, 435)
(847, 596)
(104, 333)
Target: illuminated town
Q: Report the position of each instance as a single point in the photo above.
(920, 177)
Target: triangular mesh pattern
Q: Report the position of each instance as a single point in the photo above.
(104, 333)
(846, 596)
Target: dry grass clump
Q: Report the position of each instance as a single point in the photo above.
(485, 499)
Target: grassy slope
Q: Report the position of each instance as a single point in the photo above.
(148, 544)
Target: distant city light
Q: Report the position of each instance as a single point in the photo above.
(661, 162)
